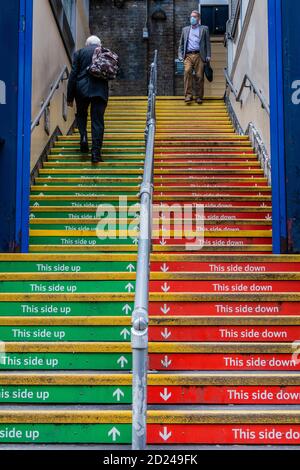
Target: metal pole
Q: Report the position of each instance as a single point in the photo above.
(139, 337)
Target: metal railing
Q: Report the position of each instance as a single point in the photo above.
(139, 330)
(256, 140)
(259, 146)
(247, 83)
(64, 75)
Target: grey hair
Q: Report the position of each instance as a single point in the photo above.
(93, 41)
(196, 12)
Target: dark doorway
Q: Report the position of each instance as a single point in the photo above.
(215, 17)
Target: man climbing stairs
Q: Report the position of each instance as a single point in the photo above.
(223, 366)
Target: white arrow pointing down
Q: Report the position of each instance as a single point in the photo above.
(165, 396)
(165, 435)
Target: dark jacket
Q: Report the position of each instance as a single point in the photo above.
(82, 85)
(204, 43)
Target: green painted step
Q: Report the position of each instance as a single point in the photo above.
(38, 202)
(77, 213)
(66, 361)
(45, 183)
(87, 192)
(81, 241)
(86, 165)
(67, 286)
(66, 266)
(65, 333)
(32, 308)
(108, 158)
(91, 176)
(92, 227)
(70, 227)
(65, 433)
(101, 394)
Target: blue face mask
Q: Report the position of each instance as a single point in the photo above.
(193, 20)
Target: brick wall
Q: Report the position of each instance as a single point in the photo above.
(121, 30)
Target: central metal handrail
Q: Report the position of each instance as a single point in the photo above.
(64, 75)
(140, 315)
(246, 83)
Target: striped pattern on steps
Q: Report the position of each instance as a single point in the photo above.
(223, 318)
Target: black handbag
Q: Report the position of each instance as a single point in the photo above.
(209, 73)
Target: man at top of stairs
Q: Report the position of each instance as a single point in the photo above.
(88, 90)
(195, 51)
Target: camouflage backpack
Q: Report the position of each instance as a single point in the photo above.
(105, 64)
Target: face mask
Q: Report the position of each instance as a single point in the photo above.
(194, 21)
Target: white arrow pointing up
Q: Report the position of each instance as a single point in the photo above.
(118, 394)
(165, 396)
(114, 432)
(166, 333)
(164, 268)
(165, 287)
(165, 435)
(126, 309)
(130, 268)
(165, 309)
(166, 362)
(122, 361)
(129, 287)
(124, 333)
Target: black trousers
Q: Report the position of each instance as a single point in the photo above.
(98, 106)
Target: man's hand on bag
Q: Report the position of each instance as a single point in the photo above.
(70, 104)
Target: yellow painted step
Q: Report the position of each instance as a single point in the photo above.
(193, 257)
(157, 248)
(175, 276)
(154, 348)
(153, 321)
(156, 233)
(278, 416)
(154, 297)
(280, 379)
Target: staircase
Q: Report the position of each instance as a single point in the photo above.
(223, 315)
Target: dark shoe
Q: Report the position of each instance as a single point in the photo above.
(199, 101)
(96, 158)
(84, 145)
(188, 100)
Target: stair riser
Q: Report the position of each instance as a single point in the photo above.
(173, 395)
(264, 334)
(65, 308)
(157, 362)
(248, 434)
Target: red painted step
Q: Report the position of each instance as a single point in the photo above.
(221, 267)
(220, 286)
(243, 434)
(216, 241)
(223, 361)
(223, 395)
(229, 333)
(221, 308)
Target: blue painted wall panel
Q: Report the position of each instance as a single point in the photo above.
(9, 38)
(15, 118)
(291, 98)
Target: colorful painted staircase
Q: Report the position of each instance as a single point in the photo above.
(223, 369)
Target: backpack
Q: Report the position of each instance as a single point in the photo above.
(105, 64)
